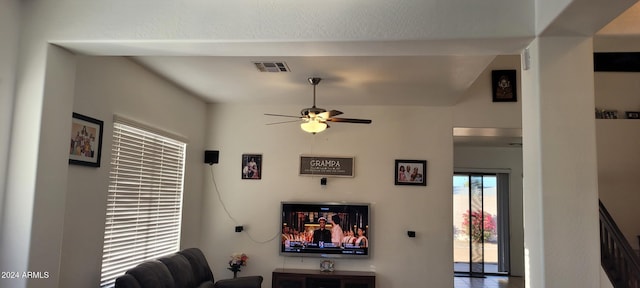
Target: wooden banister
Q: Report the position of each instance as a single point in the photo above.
(618, 259)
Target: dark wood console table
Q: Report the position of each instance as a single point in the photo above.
(307, 278)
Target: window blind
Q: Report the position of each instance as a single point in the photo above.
(144, 200)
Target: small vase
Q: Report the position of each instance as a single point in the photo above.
(326, 266)
(235, 269)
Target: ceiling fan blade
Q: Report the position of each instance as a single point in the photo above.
(334, 113)
(350, 120)
(280, 115)
(329, 114)
(314, 115)
(290, 121)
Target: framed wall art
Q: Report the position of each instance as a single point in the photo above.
(311, 165)
(411, 172)
(504, 85)
(85, 141)
(252, 166)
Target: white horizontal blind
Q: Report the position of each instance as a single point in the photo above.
(144, 200)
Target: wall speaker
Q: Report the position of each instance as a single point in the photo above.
(211, 156)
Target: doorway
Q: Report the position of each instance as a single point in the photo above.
(480, 224)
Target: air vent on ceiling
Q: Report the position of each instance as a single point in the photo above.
(272, 66)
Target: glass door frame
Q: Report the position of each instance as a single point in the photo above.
(476, 264)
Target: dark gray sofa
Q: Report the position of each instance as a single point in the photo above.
(185, 269)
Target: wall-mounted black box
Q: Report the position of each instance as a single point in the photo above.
(211, 156)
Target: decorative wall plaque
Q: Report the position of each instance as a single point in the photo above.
(326, 166)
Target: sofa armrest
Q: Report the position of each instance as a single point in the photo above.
(240, 282)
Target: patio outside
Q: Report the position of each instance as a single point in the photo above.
(462, 239)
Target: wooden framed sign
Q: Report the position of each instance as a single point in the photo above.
(326, 166)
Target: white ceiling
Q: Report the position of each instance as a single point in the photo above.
(433, 72)
(356, 80)
(410, 53)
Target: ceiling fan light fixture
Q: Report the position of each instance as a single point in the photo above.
(314, 119)
(313, 126)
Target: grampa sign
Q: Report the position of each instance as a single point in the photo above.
(326, 166)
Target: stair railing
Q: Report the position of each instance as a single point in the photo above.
(618, 259)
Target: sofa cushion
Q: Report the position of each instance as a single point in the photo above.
(152, 274)
(207, 284)
(127, 281)
(180, 269)
(201, 270)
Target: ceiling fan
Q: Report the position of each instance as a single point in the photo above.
(315, 119)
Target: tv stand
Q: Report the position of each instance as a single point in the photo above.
(308, 278)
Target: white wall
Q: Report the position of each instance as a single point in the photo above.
(604, 280)
(61, 231)
(396, 133)
(501, 158)
(9, 28)
(547, 11)
(51, 185)
(46, 21)
(105, 86)
(477, 109)
(32, 155)
(559, 159)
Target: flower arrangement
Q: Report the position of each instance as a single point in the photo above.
(237, 260)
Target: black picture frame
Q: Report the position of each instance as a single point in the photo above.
(85, 147)
(417, 176)
(251, 166)
(504, 86)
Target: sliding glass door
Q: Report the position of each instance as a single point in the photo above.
(480, 222)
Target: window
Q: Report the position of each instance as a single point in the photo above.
(144, 199)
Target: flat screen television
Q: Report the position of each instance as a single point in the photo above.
(339, 230)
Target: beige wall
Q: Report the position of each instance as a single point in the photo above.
(108, 86)
(618, 156)
(396, 133)
(111, 85)
(250, 136)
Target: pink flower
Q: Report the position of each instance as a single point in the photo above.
(238, 259)
(478, 222)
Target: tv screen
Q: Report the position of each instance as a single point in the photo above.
(325, 229)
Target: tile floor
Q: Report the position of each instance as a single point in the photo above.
(489, 282)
